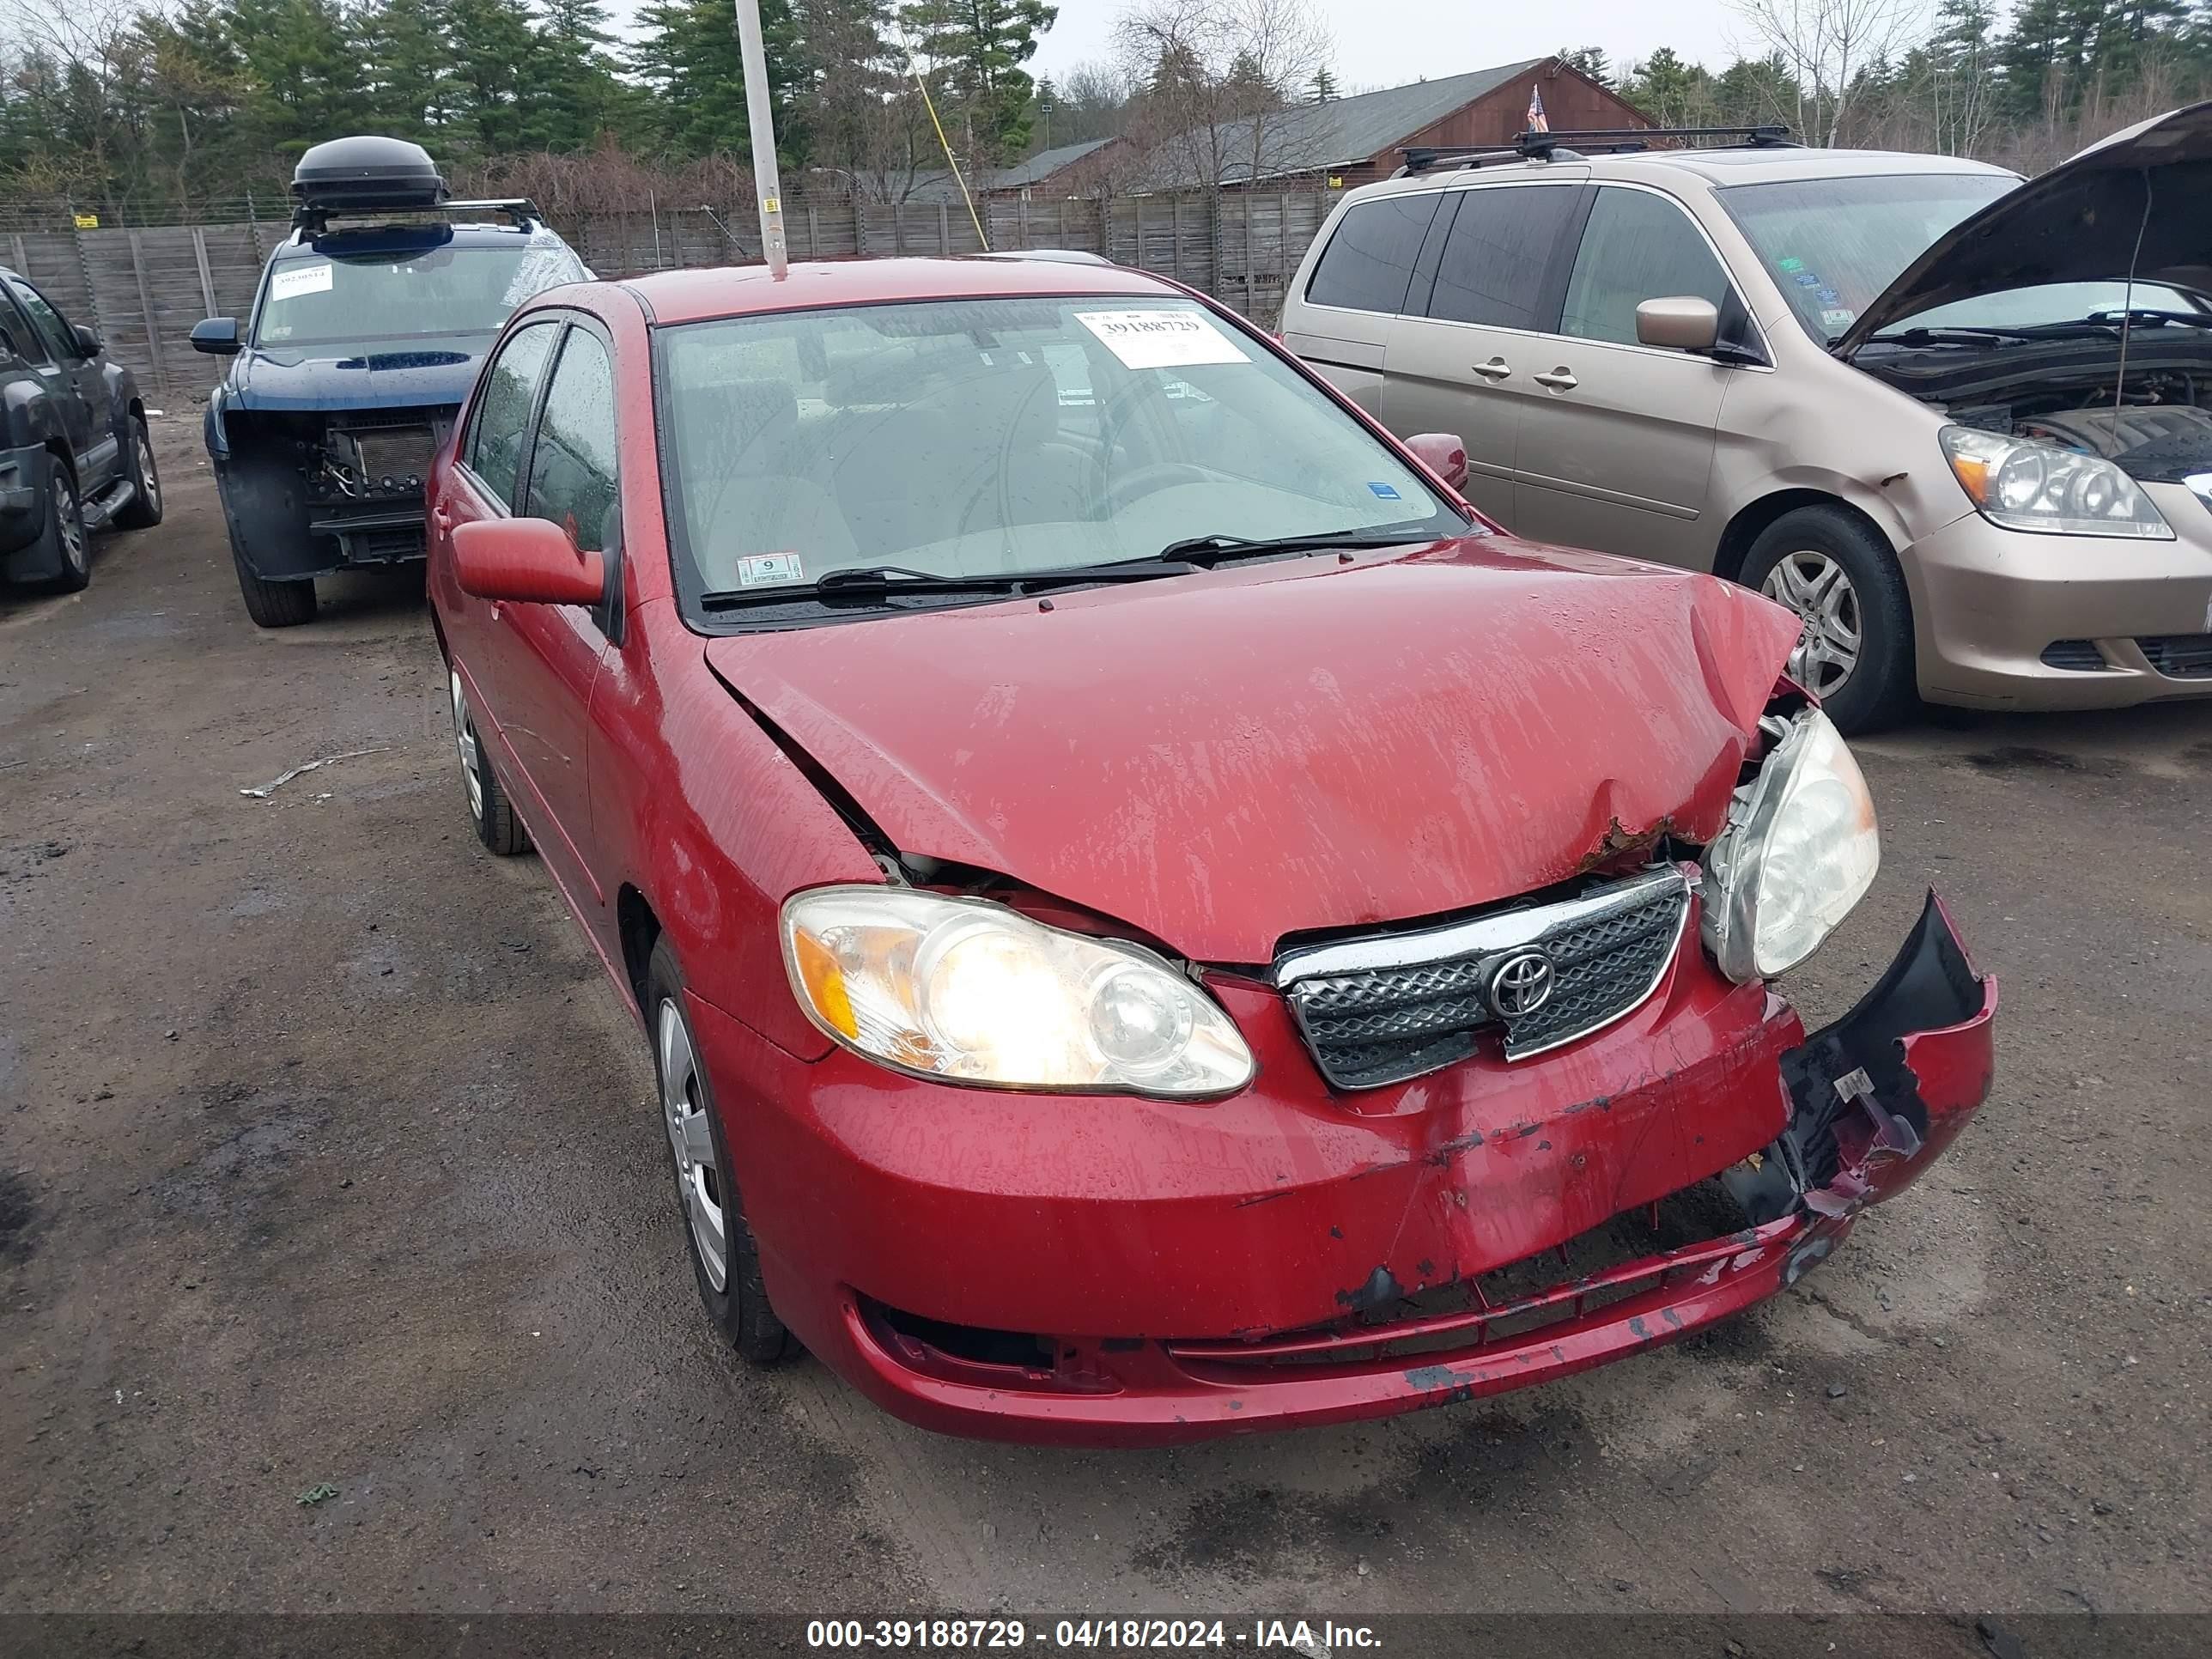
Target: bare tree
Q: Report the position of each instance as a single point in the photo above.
(1223, 86)
(1829, 45)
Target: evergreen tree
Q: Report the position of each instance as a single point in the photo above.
(1324, 85)
(689, 60)
(978, 48)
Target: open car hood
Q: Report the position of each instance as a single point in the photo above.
(2076, 223)
(1223, 759)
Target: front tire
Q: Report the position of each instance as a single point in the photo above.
(145, 509)
(272, 604)
(725, 1258)
(1837, 573)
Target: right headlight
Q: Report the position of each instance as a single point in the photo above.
(1800, 849)
(2022, 485)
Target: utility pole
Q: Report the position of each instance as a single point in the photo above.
(766, 184)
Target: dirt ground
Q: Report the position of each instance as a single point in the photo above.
(328, 1159)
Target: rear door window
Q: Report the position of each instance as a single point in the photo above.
(1496, 254)
(1368, 264)
(15, 324)
(572, 464)
(494, 451)
(1637, 246)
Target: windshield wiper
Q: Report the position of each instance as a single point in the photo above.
(2138, 315)
(879, 582)
(1207, 550)
(1913, 336)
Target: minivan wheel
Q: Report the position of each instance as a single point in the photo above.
(724, 1260)
(1837, 573)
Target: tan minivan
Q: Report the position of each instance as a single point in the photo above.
(1962, 424)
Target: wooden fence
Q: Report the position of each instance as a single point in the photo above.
(144, 288)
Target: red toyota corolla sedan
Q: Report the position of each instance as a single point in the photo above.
(1154, 919)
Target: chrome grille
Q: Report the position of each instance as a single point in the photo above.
(1391, 1006)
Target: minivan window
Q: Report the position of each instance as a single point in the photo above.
(1494, 255)
(1637, 246)
(1368, 264)
(1833, 245)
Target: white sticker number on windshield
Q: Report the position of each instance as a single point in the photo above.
(300, 279)
(1161, 339)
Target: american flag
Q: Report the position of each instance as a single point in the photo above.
(1536, 121)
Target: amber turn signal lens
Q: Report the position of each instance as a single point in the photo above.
(824, 982)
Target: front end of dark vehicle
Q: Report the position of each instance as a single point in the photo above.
(366, 334)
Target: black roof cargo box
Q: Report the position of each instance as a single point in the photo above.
(366, 175)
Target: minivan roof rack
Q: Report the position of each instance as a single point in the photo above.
(1570, 143)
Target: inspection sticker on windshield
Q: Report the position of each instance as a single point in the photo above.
(296, 280)
(1161, 339)
(765, 568)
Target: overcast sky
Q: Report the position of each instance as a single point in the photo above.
(1386, 43)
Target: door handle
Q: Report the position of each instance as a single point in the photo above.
(1496, 369)
(1561, 378)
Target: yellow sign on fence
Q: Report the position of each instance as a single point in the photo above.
(88, 221)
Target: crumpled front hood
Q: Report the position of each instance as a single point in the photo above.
(373, 374)
(1222, 760)
(2077, 223)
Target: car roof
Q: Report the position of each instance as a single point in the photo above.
(1718, 167)
(690, 296)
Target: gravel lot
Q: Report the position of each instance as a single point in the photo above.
(327, 1157)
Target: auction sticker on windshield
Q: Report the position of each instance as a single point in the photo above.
(1161, 339)
(300, 279)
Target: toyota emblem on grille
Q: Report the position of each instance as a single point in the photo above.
(1521, 984)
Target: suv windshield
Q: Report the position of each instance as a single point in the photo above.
(333, 292)
(995, 438)
(1833, 244)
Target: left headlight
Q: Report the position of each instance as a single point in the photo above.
(972, 991)
(1800, 850)
(2023, 485)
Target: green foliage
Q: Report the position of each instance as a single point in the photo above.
(974, 51)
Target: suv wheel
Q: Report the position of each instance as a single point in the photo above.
(1839, 576)
(63, 543)
(272, 604)
(145, 509)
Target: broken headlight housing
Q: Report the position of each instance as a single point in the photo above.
(967, 991)
(1800, 849)
(2023, 485)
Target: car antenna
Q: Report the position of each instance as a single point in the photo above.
(2128, 305)
(766, 184)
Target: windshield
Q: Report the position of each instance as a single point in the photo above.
(987, 438)
(1833, 245)
(322, 296)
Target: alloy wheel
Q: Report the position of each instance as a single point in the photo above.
(150, 479)
(69, 523)
(698, 1180)
(464, 739)
(1816, 587)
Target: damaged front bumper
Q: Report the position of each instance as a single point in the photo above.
(1865, 1105)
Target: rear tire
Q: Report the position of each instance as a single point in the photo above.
(725, 1257)
(145, 509)
(1836, 571)
(493, 814)
(273, 605)
(63, 543)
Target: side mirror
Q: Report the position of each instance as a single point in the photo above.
(528, 561)
(217, 335)
(1443, 455)
(1681, 323)
(87, 341)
